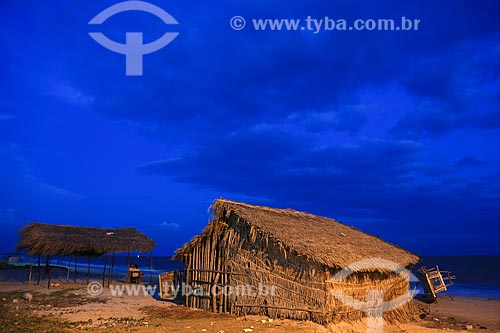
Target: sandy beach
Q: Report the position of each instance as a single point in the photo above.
(68, 307)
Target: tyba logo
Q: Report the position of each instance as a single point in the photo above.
(134, 49)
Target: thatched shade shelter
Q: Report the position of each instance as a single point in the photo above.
(49, 239)
(295, 252)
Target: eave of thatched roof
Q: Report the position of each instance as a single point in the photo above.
(321, 239)
(49, 239)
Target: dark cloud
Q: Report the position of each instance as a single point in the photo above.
(385, 178)
(266, 75)
(469, 161)
(362, 126)
(456, 89)
(18, 180)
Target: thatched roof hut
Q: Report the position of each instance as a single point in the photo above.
(321, 239)
(49, 239)
(296, 253)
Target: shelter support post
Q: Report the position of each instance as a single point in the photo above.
(128, 266)
(31, 269)
(47, 270)
(88, 270)
(110, 272)
(104, 270)
(39, 270)
(69, 269)
(151, 267)
(74, 272)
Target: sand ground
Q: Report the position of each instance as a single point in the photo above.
(69, 308)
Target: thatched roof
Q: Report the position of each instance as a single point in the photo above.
(49, 239)
(321, 239)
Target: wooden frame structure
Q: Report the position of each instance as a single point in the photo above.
(434, 281)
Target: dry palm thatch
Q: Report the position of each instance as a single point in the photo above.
(48, 239)
(321, 239)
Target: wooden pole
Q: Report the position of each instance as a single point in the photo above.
(213, 289)
(104, 270)
(195, 275)
(31, 269)
(47, 269)
(39, 270)
(223, 294)
(74, 271)
(205, 276)
(199, 276)
(226, 298)
(188, 267)
(88, 270)
(128, 266)
(219, 268)
(208, 275)
(69, 269)
(110, 275)
(201, 301)
(151, 267)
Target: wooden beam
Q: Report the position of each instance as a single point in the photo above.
(275, 307)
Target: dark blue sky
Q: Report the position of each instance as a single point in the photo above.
(397, 133)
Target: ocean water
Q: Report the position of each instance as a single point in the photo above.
(476, 276)
(161, 264)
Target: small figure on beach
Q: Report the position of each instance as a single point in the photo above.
(134, 273)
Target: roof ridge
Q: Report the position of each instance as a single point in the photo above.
(280, 210)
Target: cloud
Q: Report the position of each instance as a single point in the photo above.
(366, 179)
(453, 90)
(70, 94)
(170, 225)
(18, 180)
(7, 216)
(469, 161)
(349, 118)
(6, 116)
(263, 162)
